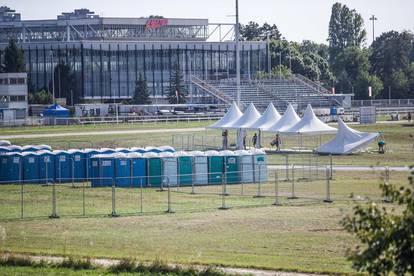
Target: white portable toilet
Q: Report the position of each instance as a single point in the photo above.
(169, 167)
(245, 161)
(200, 167)
(260, 165)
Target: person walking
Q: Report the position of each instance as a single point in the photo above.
(409, 117)
(254, 140)
(224, 135)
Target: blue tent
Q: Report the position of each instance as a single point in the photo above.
(56, 110)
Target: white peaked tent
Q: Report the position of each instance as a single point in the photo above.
(347, 140)
(250, 116)
(269, 117)
(232, 115)
(289, 119)
(309, 125)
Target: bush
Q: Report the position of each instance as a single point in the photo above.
(12, 260)
(76, 264)
(125, 265)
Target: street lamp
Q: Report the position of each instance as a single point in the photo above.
(280, 64)
(53, 76)
(373, 19)
(237, 36)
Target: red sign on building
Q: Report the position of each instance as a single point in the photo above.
(153, 24)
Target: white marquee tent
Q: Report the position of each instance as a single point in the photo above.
(269, 117)
(289, 119)
(309, 125)
(347, 140)
(249, 116)
(232, 115)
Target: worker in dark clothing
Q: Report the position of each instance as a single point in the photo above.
(254, 140)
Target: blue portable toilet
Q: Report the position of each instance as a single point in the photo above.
(63, 166)
(152, 149)
(106, 151)
(87, 154)
(4, 143)
(30, 148)
(138, 165)
(122, 168)
(12, 162)
(79, 164)
(138, 150)
(102, 170)
(30, 161)
(4, 149)
(44, 147)
(46, 166)
(123, 150)
(14, 148)
(166, 149)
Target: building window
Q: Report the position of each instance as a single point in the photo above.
(13, 81)
(21, 80)
(17, 98)
(3, 81)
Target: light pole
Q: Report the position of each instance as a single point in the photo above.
(237, 36)
(373, 19)
(269, 59)
(280, 65)
(53, 76)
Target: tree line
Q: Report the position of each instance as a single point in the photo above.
(345, 63)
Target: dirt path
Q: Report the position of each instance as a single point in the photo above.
(103, 132)
(228, 270)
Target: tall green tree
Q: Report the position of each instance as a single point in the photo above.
(346, 28)
(386, 235)
(177, 91)
(141, 94)
(13, 59)
(253, 31)
(64, 81)
(391, 59)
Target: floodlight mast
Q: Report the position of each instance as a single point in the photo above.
(237, 37)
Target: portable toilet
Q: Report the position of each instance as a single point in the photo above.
(12, 162)
(79, 165)
(87, 154)
(166, 149)
(200, 167)
(44, 147)
(30, 148)
(138, 169)
(63, 166)
(260, 165)
(122, 170)
(170, 168)
(4, 149)
(14, 148)
(185, 168)
(123, 150)
(154, 167)
(231, 166)
(138, 150)
(245, 161)
(3, 167)
(106, 151)
(4, 143)
(215, 167)
(46, 166)
(102, 170)
(152, 149)
(30, 161)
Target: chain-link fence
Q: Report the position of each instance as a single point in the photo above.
(256, 185)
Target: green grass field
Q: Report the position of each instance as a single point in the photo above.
(301, 235)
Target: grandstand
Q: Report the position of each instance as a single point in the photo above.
(296, 90)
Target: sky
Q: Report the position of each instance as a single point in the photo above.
(297, 20)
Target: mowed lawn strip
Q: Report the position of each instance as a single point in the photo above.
(304, 237)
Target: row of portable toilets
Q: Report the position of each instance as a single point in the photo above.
(180, 168)
(38, 164)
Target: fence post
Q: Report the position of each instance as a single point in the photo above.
(259, 187)
(141, 195)
(83, 198)
(331, 167)
(276, 203)
(386, 182)
(328, 187)
(287, 166)
(223, 193)
(54, 212)
(21, 190)
(293, 196)
(169, 209)
(113, 213)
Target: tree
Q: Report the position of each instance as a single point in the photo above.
(391, 58)
(177, 92)
(346, 28)
(141, 94)
(386, 234)
(64, 83)
(40, 97)
(253, 31)
(13, 59)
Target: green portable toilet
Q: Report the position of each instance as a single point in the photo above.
(215, 167)
(260, 165)
(245, 160)
(185, 168)
(231, 166)
(154, 167)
